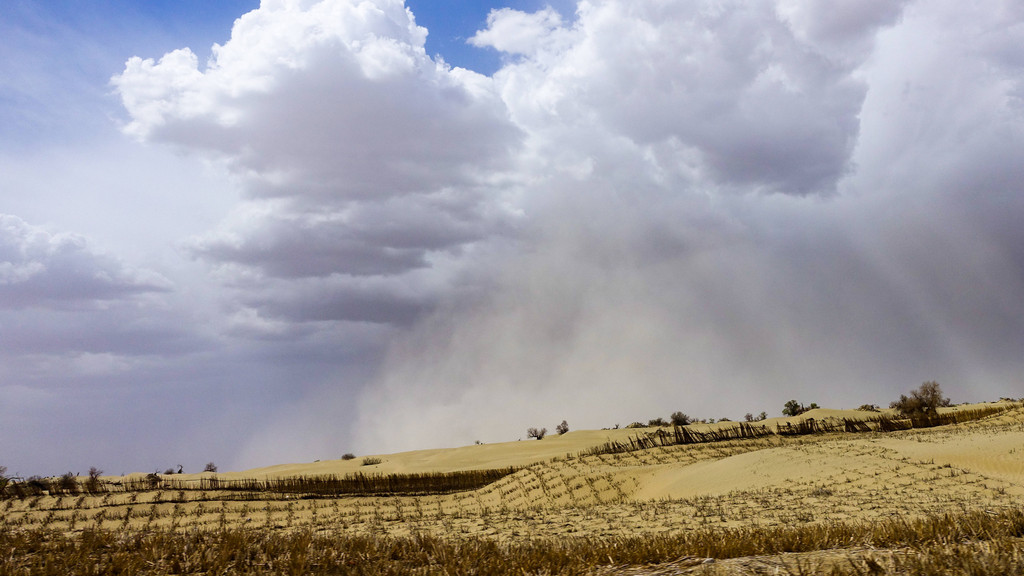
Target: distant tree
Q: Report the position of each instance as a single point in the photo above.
(868, 407)
(748, 417)
(926, 400)
(3, 479)
(794, 408)
(680, 419)
(93, 483)
(762, 416)
(210, 467)
(349, 456)
(657, 422)
(562, 428)
(535, 433)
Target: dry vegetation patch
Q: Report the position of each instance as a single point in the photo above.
(846, 502)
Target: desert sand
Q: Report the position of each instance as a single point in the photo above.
(560, 490)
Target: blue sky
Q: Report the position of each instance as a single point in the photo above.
(328, 243)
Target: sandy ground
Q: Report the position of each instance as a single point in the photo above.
(770, 481)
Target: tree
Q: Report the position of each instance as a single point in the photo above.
(792, 408)
(210, 467)
(92, 485)
(562, 428)
(535, 433)
(926, 400)
(680, 419)
(657, 422)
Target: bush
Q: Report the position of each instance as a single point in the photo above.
(657, 422)
(349, 456)
(926, 400)
(535, 433)
(868, 408)
(680, 419)
(371, 461)
(210, 467)
(68, 484)
(562, 428)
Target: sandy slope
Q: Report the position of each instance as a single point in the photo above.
(768, 481)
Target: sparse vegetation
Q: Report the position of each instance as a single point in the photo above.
(957, 543)
(872, 510)
(371, 461)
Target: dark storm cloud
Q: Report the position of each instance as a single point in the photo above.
(661, 278)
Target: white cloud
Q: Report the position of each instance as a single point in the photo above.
(658, 276)
(40, 269)
(360, 155)
(517, 32)
(711, 206)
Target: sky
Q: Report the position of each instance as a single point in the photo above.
(281, 231)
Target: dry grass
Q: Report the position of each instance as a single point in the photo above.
(933, 500)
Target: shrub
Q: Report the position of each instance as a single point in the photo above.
(371, 461)
(210, 467)
(535, 433)
(868, 408)
(680, 419)
(926, 400)
(349, 456)
(637, 425)
(562, 428)
(657, 422)
(68, 483)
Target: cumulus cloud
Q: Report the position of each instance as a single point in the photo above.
(360, 155)
(661, 274)
(711, 206)
(40, 269)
